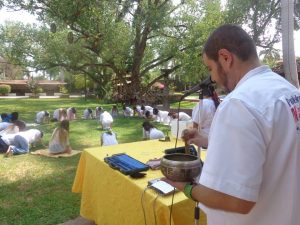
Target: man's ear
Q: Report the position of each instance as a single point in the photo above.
(225, 58)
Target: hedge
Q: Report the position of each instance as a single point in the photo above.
(4, 89)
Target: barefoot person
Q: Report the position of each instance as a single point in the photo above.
(59, 142)
(19, 143)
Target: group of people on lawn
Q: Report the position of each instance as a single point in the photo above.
(16, 139)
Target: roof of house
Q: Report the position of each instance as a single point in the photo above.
(24, 82)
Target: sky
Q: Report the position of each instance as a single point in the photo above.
(27, 18)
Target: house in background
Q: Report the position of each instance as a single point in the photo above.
(20, 87)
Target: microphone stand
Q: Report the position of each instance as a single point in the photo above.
(197, 209)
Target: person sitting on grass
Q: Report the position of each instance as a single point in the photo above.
(98, 112)
(108, 138)
(114, 111)
(88, 114)
(19, 143)
(71, 113)
(59, 114)
(59, 141)
(150, 132)
(127, 111)
(42, 117)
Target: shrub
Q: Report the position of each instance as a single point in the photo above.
(63, 89)
(4, 89)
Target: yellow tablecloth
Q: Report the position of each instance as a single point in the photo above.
(111, 198)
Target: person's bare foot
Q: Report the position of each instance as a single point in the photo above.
(9, 152)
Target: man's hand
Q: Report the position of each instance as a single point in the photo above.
(178, 185)
(192, 136)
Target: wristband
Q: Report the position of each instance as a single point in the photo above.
(188, 190)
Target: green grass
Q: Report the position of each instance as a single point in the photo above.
(184, 105)
(37, 190)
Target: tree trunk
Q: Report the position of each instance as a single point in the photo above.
(288, 51)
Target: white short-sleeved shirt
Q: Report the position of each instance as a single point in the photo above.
(163, 117)
(182, 116)
(4, 125)
(56, 114)
(203, 114)
(254, 151)
(87, 114)
(31, 135)
(109, 139)
(148, 108)
(153, 134)
(8, 138)
(128, 111)
(40, 116)
(106, 119)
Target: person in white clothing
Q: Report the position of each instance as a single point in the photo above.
(15, 127)
(181, 116)
(138, 110)
(204, 111)
(42, 117)
(21, 141)
(150, 132)
(145, 108)
(5, 141)
(251, 171)
(106, 120)
(88, 114)
(127, 111)
(4, 125)
(115, 111)
(60, 114)
(71, 114)
(98, 112)
(162, 116)
(109, 138)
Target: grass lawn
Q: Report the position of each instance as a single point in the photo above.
(36, 190)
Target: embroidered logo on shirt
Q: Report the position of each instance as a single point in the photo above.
(294, 104)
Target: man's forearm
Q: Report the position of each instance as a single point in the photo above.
(217, 200)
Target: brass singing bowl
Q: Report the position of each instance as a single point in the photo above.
(180, 167)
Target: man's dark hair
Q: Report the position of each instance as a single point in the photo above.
(73, 110)
(46, 113)
(234, 39)
(14, 116)
(147, 125)
(155, 111)
(147, 114)
(90, 110)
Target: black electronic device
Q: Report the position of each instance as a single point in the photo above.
(126, 164)
(191, 150)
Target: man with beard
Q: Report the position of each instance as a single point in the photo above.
(250, 175)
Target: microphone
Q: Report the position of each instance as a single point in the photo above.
(197, 87)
